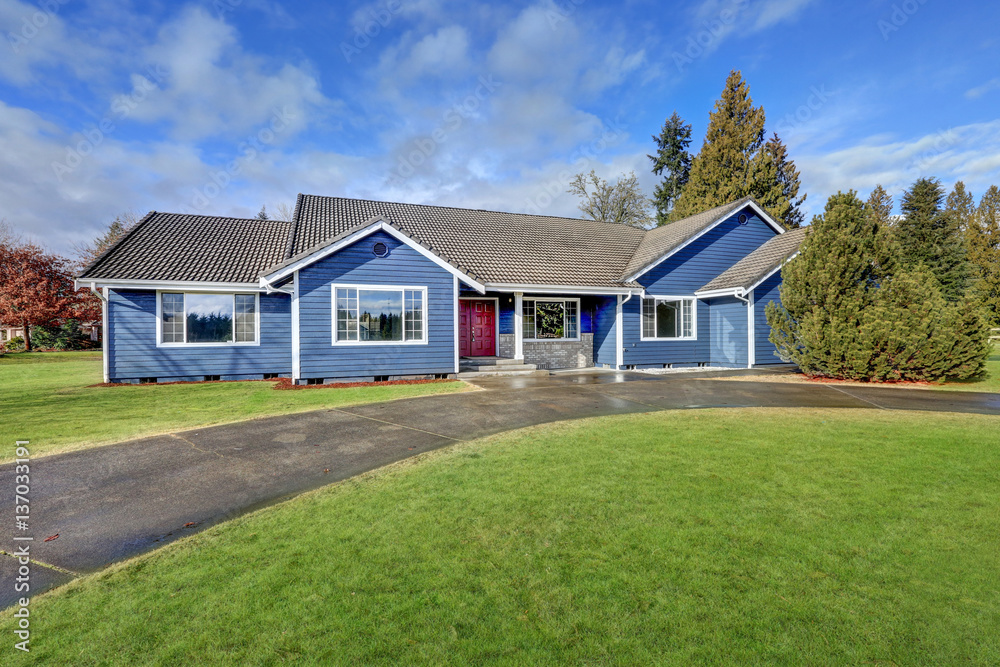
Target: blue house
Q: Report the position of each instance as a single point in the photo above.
(365, 290)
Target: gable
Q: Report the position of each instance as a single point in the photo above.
(709, 255)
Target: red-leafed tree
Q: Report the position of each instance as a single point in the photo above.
(36, 289)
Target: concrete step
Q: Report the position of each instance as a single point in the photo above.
(490, 368)
(495, 361)
(471, 375)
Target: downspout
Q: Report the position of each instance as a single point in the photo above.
(105, 342)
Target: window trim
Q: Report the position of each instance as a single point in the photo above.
(553, 299)
(402, 289)
(694, 319)
(232, 343)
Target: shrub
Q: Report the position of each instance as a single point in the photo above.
(15, 344)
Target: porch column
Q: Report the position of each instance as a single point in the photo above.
(296, 353)
(751, 332)
(518, 326)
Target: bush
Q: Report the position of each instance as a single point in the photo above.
(65, 337)
(15, 344)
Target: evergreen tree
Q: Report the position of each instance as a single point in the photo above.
(961, 205)
(723, 170)
(777, 183)
(849, 311)
(984, 254)
(927, 234)
(262, 213)
(672, 157)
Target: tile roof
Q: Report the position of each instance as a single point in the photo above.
(174, 246)
(490, 246)
(755, 266)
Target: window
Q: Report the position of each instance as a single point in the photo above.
(549, 319)
(379, 314)
(207, 319)
(668, 318)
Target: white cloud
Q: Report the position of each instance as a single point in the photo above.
(970, 153)
(212, 87)
(979, 91)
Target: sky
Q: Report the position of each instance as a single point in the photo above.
(222, 106)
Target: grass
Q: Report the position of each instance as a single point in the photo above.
(990, 383)
(45, 397)
(738, 536)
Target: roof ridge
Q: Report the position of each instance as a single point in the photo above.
(476, 210)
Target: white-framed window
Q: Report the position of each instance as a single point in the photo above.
(545, 319)
(379, 315)
(669, 318)
(207, 318)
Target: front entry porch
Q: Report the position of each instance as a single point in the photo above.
(493, 366)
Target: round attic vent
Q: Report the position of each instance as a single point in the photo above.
(380, 249)
(743, 218)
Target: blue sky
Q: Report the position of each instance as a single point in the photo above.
(221, 106)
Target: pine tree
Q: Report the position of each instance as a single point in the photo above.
(777, 184)
(961, 205)
(672, 157)
(984, 254)
(262, 213)
(846, 313)
(929, 235)
(723, 170)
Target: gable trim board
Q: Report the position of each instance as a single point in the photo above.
(761, 213)
(743, 291)
(378, 225)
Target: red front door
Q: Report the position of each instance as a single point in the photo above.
(477, 330)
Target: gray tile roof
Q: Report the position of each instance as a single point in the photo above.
(746, 272)
(490, 246)
(174, 246)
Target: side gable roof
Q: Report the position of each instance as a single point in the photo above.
(494, 247)
(759, 264)
(179, 247)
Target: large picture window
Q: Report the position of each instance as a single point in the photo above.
(199, 318)
(668, 318)
(379, 314)
(551, 319)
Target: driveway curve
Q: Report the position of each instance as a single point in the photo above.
(111, 503)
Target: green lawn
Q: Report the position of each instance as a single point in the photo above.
(989, 383)
(45, 398)
(738, 536)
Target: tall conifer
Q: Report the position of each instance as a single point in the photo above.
(984, 254)
(673, 162)
(927, 234)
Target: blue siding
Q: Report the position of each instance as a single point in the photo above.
(766, 292)
(605, 330)
(133, 352)
(694, 266)
(356, 264)
(728, 336)
(681, 275)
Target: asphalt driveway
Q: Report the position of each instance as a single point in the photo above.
(111, 503)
